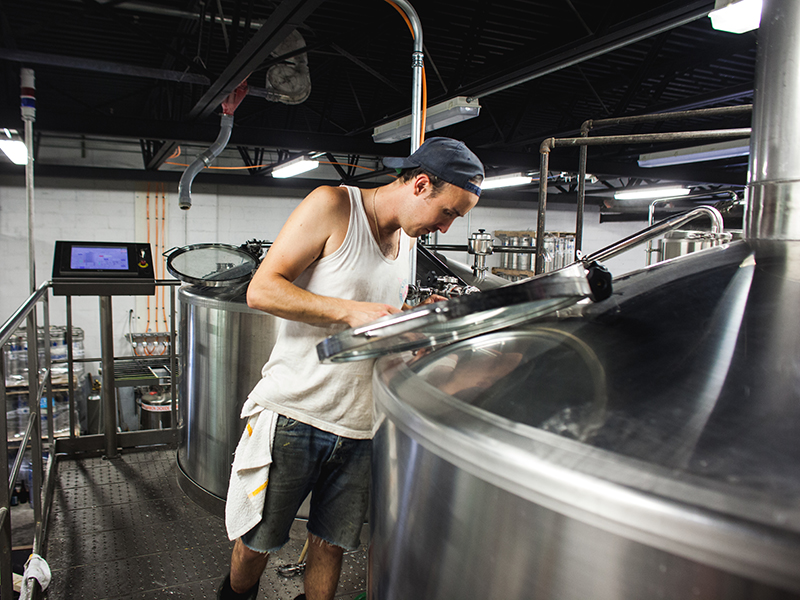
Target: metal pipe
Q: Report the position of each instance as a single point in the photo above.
(544, 166)
(646, 138)
(654, 231)
(582, 159)
(204, 160)
(28, 110)
(716, 227)
(721, 111)
(773, 189)
(417, 63)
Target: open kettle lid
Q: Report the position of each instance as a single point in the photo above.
(460, 318)
(211, 265)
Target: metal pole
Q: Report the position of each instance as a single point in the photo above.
(582, 158)
(173, 380)
(109, 396)
(28, 110)
(544, 166)
(70, 369)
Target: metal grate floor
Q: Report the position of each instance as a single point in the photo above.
(123, 529)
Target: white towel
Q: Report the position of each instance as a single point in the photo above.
(35, 568)
(250, 471)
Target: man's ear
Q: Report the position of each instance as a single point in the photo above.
(422, 183)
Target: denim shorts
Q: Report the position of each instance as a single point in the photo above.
(336, 470)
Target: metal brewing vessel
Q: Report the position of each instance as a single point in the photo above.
(643, 446)
(223, 345)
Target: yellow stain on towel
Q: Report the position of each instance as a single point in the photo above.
(249, 429)
(259, 489)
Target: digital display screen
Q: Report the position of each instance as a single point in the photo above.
(99, 258)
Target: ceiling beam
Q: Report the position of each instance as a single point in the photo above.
(563, 58)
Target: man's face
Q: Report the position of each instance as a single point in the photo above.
(437, 213)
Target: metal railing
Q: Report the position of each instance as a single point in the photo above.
(39, 382)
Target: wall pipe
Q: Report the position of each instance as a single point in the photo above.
(550, 143)
(204, 160)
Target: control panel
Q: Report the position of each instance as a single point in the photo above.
(103, 269)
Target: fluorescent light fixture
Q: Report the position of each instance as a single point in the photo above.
(298, 165)
(447, 113)
(14, 149)
(736, 16)
(500, 181)
(646, 193)
(683, 156)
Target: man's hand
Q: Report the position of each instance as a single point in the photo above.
(431, 299)
(361, 313)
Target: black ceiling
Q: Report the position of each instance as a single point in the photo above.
(154, 73)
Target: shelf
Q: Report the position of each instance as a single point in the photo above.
(141, 371)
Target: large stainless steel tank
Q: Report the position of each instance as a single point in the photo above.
(223, 346)
(646, 446)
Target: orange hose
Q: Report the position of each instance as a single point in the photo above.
(161, 260)
(147, 327)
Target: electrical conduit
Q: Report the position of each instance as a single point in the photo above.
(206, 158)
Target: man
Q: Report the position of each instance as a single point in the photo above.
(340, 261)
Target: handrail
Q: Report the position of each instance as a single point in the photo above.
(654, 231)
(10, 326)
(32, 435)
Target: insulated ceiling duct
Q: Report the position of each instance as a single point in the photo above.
(289, 82)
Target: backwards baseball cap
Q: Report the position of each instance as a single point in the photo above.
(448, 159)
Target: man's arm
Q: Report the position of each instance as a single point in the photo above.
(315, 229)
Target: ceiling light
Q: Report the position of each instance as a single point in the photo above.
(447, 113)
(298, 165)
(506, 181)
(14, 148)
(646, 193)
(682, 156)
(736, 16)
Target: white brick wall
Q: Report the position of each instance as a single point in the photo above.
(100, 211)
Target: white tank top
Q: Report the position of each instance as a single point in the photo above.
(336, 398)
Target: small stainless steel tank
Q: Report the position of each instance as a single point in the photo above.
(223, 345)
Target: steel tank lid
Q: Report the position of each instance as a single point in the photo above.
(460, 318)
(669, 412)
(212, 265)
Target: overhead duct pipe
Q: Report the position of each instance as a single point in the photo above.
(207, 157)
